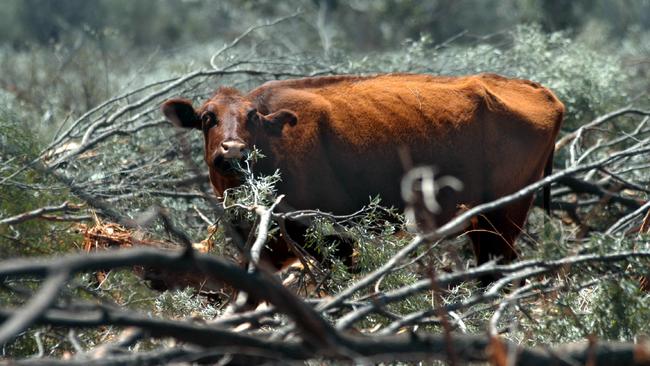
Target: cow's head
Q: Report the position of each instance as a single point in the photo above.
(231, 125)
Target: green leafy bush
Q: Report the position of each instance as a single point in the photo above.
(23, 189)
(184, 303)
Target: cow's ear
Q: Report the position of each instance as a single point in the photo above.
(276, 120)
(181, 113)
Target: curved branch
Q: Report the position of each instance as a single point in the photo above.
(561, 143)
(315, 329)
(39, 212)
(36, 306)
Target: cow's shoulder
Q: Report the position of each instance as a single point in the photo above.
(529, 93)
(518, 98)
(306, 102)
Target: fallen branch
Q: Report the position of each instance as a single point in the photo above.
(40, 213)
(406, 347)
(316, 330)
(581, 186)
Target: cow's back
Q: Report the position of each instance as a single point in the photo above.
(492, 133)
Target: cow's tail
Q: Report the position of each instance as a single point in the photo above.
(548, 169)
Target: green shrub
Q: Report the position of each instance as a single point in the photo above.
(24, 189)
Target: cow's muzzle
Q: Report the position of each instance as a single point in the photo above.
(233, 149)
(230, 157)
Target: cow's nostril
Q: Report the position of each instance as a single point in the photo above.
(224, 146)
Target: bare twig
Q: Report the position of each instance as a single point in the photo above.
(378, 349)
(35, 307)
(317, 331)
(625, 220)
(39, 213)
(262, 233)
(235, 42)
(561, 143)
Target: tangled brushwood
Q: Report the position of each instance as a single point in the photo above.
(157, 272)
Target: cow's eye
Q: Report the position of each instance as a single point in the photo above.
(208, 119)
(251, 115)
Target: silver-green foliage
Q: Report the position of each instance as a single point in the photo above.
(602, 300)
(183, 304)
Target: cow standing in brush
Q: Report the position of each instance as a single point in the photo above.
(336, 142)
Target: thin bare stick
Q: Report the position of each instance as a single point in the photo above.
(39, 212)
(262, 231)
(561, 143)
(45, 297)
(235, 42)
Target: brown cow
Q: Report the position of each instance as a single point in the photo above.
(335, 141)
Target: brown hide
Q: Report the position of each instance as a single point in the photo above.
(335, 141)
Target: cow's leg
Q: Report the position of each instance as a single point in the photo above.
(494, 234)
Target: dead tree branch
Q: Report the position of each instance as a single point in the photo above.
(565, 140)
(39, 213)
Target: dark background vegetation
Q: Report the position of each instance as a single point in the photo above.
(357, 25)
(60, 59)
(83, 52)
